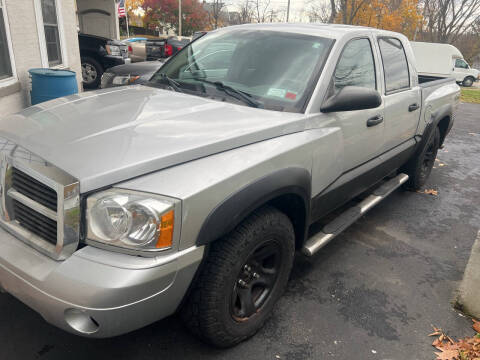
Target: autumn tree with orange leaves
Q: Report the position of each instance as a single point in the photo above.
(396, 15)
(164, 13)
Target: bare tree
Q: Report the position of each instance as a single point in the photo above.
(319, 11)
(447, 20)
(261, 10)
(245, 12)
(215, 11)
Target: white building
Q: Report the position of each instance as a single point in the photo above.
(44, 34)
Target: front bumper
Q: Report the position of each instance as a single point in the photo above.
(94, 292)
(112, 60)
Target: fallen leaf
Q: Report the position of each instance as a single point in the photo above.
(476, 326)
(441, 164)
(429, 192)
(447, 355)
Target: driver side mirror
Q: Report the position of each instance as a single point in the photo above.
(352, 98)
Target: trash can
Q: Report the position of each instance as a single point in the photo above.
(48, 84)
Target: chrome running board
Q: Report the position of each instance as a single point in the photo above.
(348, 217)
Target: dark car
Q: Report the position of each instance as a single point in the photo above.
(129, 74)
(99, 54)
(164, 48)
(155, 49)
(174, 45)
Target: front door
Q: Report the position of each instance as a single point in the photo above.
(356, 67)
(462, 70)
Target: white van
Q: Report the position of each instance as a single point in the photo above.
(443, 60)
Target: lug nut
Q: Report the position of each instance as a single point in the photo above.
(242, 283)
(247, 268)
(255, 275)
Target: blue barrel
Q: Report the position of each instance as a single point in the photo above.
(48, 84)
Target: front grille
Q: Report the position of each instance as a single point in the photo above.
(35, 222)
(34, 189)
(40, 202)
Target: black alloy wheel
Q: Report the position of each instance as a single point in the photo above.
(256, 280)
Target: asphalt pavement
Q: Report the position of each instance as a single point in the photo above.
(373, 293)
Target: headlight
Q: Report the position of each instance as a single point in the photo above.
(113, 50)
(131, 220)
(125, 79)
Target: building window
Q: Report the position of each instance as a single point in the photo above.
(6, 70)
(52, 36)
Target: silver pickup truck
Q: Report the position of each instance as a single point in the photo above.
(192, 193)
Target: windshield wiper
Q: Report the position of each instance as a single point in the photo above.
(172, 83)
(235, 93)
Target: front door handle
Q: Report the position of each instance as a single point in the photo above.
(374, 120)
(413, 107)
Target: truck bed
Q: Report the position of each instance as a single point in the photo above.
(429, 80)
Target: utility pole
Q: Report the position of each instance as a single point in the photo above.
(288, 10)
(180, 17)
(126, 20)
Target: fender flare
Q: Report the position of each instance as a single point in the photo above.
(234, 209)
(441, 113)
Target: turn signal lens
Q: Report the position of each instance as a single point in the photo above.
(165, 237)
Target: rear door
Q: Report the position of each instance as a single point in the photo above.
(402, 97)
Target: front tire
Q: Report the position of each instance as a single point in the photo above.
(419, 168)
(468, 81)
(91, 73)
(245, 274)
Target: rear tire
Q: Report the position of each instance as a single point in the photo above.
(92, 73)
(244, 275)
(419, 168)
(468, 81)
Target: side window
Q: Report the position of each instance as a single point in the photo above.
(356, 66)
(459, 63)
(217, 60)
(5, 63)
(395, 64)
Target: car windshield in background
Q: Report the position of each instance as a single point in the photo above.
(267, 69)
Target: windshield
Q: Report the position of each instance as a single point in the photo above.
(267, 69)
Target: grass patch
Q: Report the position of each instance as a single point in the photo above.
(471, 95)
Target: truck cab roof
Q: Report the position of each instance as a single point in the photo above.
(332, 31)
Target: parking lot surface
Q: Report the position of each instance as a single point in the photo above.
(373, 293)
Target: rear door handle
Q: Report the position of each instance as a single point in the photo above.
(374, 120)
(413, 107)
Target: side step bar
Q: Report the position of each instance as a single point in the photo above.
(348, 217)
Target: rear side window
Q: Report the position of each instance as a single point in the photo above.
(395, 64)
(356, 66)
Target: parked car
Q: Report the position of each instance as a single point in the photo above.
(98, 54)
(137, 50)
(130, 74)
(194, 192)
(174, 45)
(443, 60)
(155, 49)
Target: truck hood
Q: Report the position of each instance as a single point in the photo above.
(107, 136)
